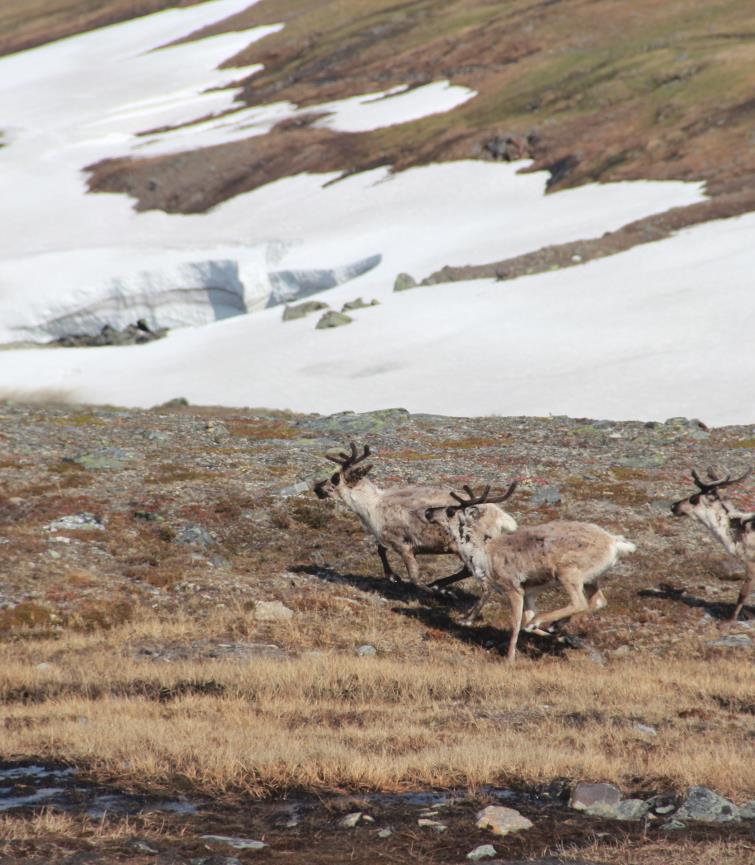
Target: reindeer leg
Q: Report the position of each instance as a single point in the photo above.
(744, 591)
(449, 581)
(579, 604)
(387, 569)
(516, 599)
(410, 563)
(529, 607)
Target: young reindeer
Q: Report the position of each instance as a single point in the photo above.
(519, 565)
(732, 528)
(394, 516)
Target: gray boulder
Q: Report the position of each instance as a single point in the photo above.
(332, 319)
(290, 313)
(404, 282)
(706, 806)
(358, 304)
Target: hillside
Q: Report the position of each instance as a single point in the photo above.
(183, 620)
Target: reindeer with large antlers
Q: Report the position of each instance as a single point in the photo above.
(394, 516)
(519, 565)
(732, 528)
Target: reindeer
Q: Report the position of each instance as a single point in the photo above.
(520, 564)
(394, 516)
(732, 528)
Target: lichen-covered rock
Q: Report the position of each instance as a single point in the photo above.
(484, 851)
(358, 304)
(631, 809)
(704, 805)
(403, 282)
(332, 319)
(299, 310)
(501, 820)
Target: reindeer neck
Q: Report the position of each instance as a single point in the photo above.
(716, 520)
(364, 499)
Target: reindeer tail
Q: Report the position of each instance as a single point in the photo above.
(623, 545)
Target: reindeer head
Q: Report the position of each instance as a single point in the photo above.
(348, 476)
(466, 511)
(708, 498)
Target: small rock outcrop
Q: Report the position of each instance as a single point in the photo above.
(133, 334)
(299, 310)
(404, 281)
(332, 319)
(358, 304)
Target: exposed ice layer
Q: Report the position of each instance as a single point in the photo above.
(177, 293)
(289, 285)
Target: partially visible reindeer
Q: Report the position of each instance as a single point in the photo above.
(732, 528)
(394, 516)
(519, 565)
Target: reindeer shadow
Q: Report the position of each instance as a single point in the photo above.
(403, 591)
(488, 637)
(434, 613)
(720, 610)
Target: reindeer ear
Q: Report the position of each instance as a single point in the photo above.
(357, 473)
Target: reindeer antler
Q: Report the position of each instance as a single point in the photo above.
(346, 461)
(481, 499)
(717, 483)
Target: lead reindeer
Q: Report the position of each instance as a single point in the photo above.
(519, 565)
(394, 516)
(731, 527)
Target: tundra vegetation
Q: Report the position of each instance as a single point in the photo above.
(136, 643)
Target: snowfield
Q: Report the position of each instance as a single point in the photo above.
(664, 329)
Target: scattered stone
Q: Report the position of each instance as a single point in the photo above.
(366, 651)
(704, 805)
(631, 809)
(75, 522)
(104, 458)
(732, 641)
(385, 833)
(645, 729)
(404, 282)
(141, 846)
(45, 665)
(484, 851)
(550, 495)
(501, 820)
(673, 825)
(272, 611)
(599, 800)
(332, 319)
(290, 313)
(194, 534)
(351, 820)
(427, 823)
(152, 435)
(747, 811)
(349, 423)
(358, 304)
(132, 334)
(231, 841)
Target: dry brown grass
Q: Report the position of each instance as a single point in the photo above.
(333, 721)
(644, 852)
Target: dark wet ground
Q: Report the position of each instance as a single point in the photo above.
(304, 829)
